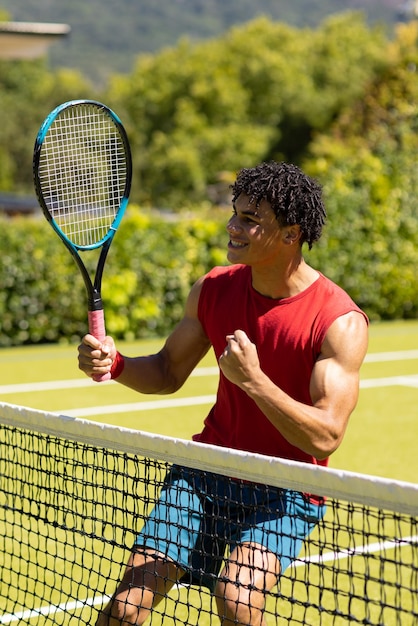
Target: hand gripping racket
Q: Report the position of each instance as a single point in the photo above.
(82, 172)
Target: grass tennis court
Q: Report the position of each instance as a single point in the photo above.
(381, 440)
(381, 437)
(69, 513)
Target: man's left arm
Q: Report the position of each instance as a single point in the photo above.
(317, 429)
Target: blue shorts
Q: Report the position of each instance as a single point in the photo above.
(199, 514)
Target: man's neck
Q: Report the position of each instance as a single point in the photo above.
(288, 282)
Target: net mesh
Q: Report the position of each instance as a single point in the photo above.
(74, 495)
(83, 172)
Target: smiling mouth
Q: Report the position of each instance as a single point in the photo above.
(236, 244)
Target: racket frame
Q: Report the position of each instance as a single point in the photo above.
(93, 287)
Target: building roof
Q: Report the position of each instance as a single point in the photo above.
(12, 204)
(29, 40)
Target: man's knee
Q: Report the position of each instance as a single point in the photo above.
(237, 603)
(127, 610)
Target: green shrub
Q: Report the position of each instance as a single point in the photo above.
(151, 265)
(369, 248)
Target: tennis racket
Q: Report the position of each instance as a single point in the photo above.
(82, 171)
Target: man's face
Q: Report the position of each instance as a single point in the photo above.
(255, 234)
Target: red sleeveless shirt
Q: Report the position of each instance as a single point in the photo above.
(288, 334)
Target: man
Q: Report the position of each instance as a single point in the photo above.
(289, 344)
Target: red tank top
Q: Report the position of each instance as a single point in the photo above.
(288, 334)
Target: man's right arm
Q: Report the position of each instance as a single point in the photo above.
(160, 373)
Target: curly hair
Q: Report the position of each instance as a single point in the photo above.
(294, 197)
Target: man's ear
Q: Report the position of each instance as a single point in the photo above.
(292, 234)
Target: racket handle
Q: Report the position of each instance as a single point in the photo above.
(97, 329)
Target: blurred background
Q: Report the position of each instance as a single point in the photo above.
(203, 89)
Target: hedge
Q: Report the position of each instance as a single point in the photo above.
(150, 267)
(154, 260)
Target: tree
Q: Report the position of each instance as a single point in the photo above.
(259, 92)
(368, 165)
(28, 92)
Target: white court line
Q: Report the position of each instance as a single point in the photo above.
(53, 385)
(376, 357)
(391, 381)
(366, 549)
(150, 405)
(138, 406)
(401, 355)
(72, 605)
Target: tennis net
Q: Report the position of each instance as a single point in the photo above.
(75, 493)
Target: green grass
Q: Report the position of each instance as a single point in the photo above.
(380, 440)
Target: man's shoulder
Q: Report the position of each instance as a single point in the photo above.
(335, 298)
(329, 286)
(227, 269)
(221, 282)
(226, 272)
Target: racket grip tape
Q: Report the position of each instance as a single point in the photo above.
(97, 329)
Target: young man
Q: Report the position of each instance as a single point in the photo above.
(289, 344)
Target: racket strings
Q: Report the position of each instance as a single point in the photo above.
(83, 173)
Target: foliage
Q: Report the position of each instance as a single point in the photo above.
(38, 304)
(340, 100)
(155, 259)
(198, 112)
(43, 297)
(27, 93)
(368, 165)
(108, 35)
